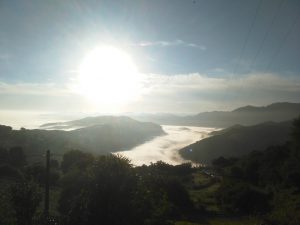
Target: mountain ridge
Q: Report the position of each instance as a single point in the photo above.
(237, 141)
(246, 115)
(121, 134)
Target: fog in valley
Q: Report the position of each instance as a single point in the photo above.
(165, 147)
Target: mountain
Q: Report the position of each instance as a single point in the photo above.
(161, 118)
(89, 121)
(99, 135)
(248, 115)
(237, 141)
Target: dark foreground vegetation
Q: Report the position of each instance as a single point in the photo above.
(260, 188)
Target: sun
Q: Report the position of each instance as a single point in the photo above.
(108, 75)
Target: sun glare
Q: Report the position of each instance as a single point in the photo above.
(108, 75)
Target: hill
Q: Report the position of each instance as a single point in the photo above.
(112, 134)
(237, 141)
(247, 115)
(89, 121)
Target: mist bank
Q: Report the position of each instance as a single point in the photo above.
(165, 148)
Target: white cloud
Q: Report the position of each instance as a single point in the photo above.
(192, 93)
(49, 89)
(46, 97)
(202, 83)
(177, 42)
(182, 93)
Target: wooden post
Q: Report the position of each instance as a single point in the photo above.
(47, 186)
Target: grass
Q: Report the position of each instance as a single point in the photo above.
(224, 221)
(203, 190)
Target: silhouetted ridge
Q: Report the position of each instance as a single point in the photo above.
(247, 115)
(237, 141)
(284, 106)
(89, 121)
(97, 134)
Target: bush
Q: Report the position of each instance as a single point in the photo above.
(244, 199)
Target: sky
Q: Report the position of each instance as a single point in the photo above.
(191, 55)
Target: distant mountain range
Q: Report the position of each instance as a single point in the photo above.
(237, 141)
(98, 135)
(248, 115)
(92, 121)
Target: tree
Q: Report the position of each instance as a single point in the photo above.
(3, 155)
(16, 157)
(25, 198)
(102, 193)
(243, 198)
(296, 136)
(110, 191)
(76, 158)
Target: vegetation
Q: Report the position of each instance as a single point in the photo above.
(265, 183)
(260, 188)
(237, 141)
(103, 189)
(112, 134)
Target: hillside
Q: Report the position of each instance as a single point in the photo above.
(237, 141)
(113, 134)
(89, 121)
(248, 115)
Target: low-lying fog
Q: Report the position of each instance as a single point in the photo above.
(165, 148)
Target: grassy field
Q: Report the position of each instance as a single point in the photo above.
(202, 192)
(224, 221)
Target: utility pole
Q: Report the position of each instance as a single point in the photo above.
(47, 186)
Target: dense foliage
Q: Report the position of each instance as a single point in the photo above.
(264, 182)
(89, 189)
(237, 141)
(93, 190)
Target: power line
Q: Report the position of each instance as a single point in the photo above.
(266, 34)
(284, 40)
(259, 3)
(247, 36)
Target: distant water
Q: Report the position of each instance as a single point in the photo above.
(166, 147)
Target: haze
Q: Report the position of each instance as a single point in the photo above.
(187, 57)
(165, 148)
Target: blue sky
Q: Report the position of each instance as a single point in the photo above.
(237, 51)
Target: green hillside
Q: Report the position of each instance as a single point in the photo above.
(237, 141)
(112, 135)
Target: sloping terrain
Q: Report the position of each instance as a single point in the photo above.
(237, 141)
(113, 134)
(248, 115)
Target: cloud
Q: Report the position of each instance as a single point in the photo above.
(202, 82)
(41, 89)
(181, 93)
(177, 42)
(192, 93)
(40, 97)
